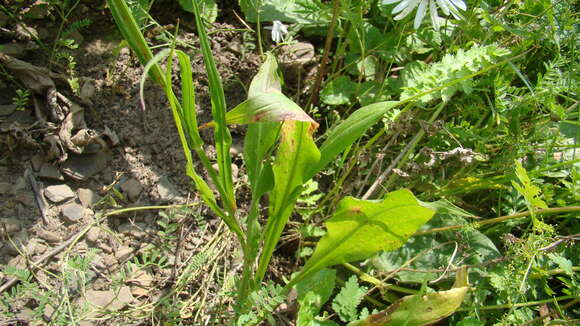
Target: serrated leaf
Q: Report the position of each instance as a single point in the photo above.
(419, 310)
(348, 299)
(361, 228)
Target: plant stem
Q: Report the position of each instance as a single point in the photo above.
(555, 210)
(327, 44)
(403, 156)
(519, 305)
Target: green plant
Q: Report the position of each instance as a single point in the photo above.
(21, 99)
(281, 157)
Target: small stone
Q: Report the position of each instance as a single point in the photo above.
(93, 234)
(110, 261)
(50, 171)
(87, 197)
(132, 188)
(141, 283)
(5, 188)
(37, 160)
(49, 236)
(236, 149)
(105, 248)
(110, 300)
(6, 110)
(9, 226)
(73, 212)
(123, 253)
(81, 167)
(26, 198)
(166, 190)
(58, 193)
(136, 230)
(40, 248)
(235, 171)
(88, 90)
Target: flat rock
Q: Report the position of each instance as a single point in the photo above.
(93, 234)
(87, 197)
(50, 171)
(167, 191)
(58, 193)
(132, 188)
(123, 253)
(81, 167)
(6, 110)
(73, 212)
(110, 300)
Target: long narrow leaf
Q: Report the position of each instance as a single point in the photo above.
(130, 31)
(223, 139)
(295, 154)
(351, 129)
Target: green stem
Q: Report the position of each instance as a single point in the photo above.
(555, 210)
(520, 305)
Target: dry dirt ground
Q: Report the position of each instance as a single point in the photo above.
(65, 166)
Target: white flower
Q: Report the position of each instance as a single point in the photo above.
(279, 30)
(405, 7)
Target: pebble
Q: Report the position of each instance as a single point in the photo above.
(106, 248)
(36, 160)
(110, 262)
(123, 253)
(87, 197)
(132, 188)
(73, 212)
(110, 300)
(50, 172)
(88, 90)
(136, 230)
(40, 248)
(9, 226)
(141, 283)
(58, 193)
(166, 189)
(93, 234)
(49, 236)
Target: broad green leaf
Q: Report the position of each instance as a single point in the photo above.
(428, 251)
(313, 292)
(295, 154)
(267, 79)
(348, 131)
(361, 228)
(338, 91)
(267, 107)
(284, 10)
(418, 310)
(208, 8)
